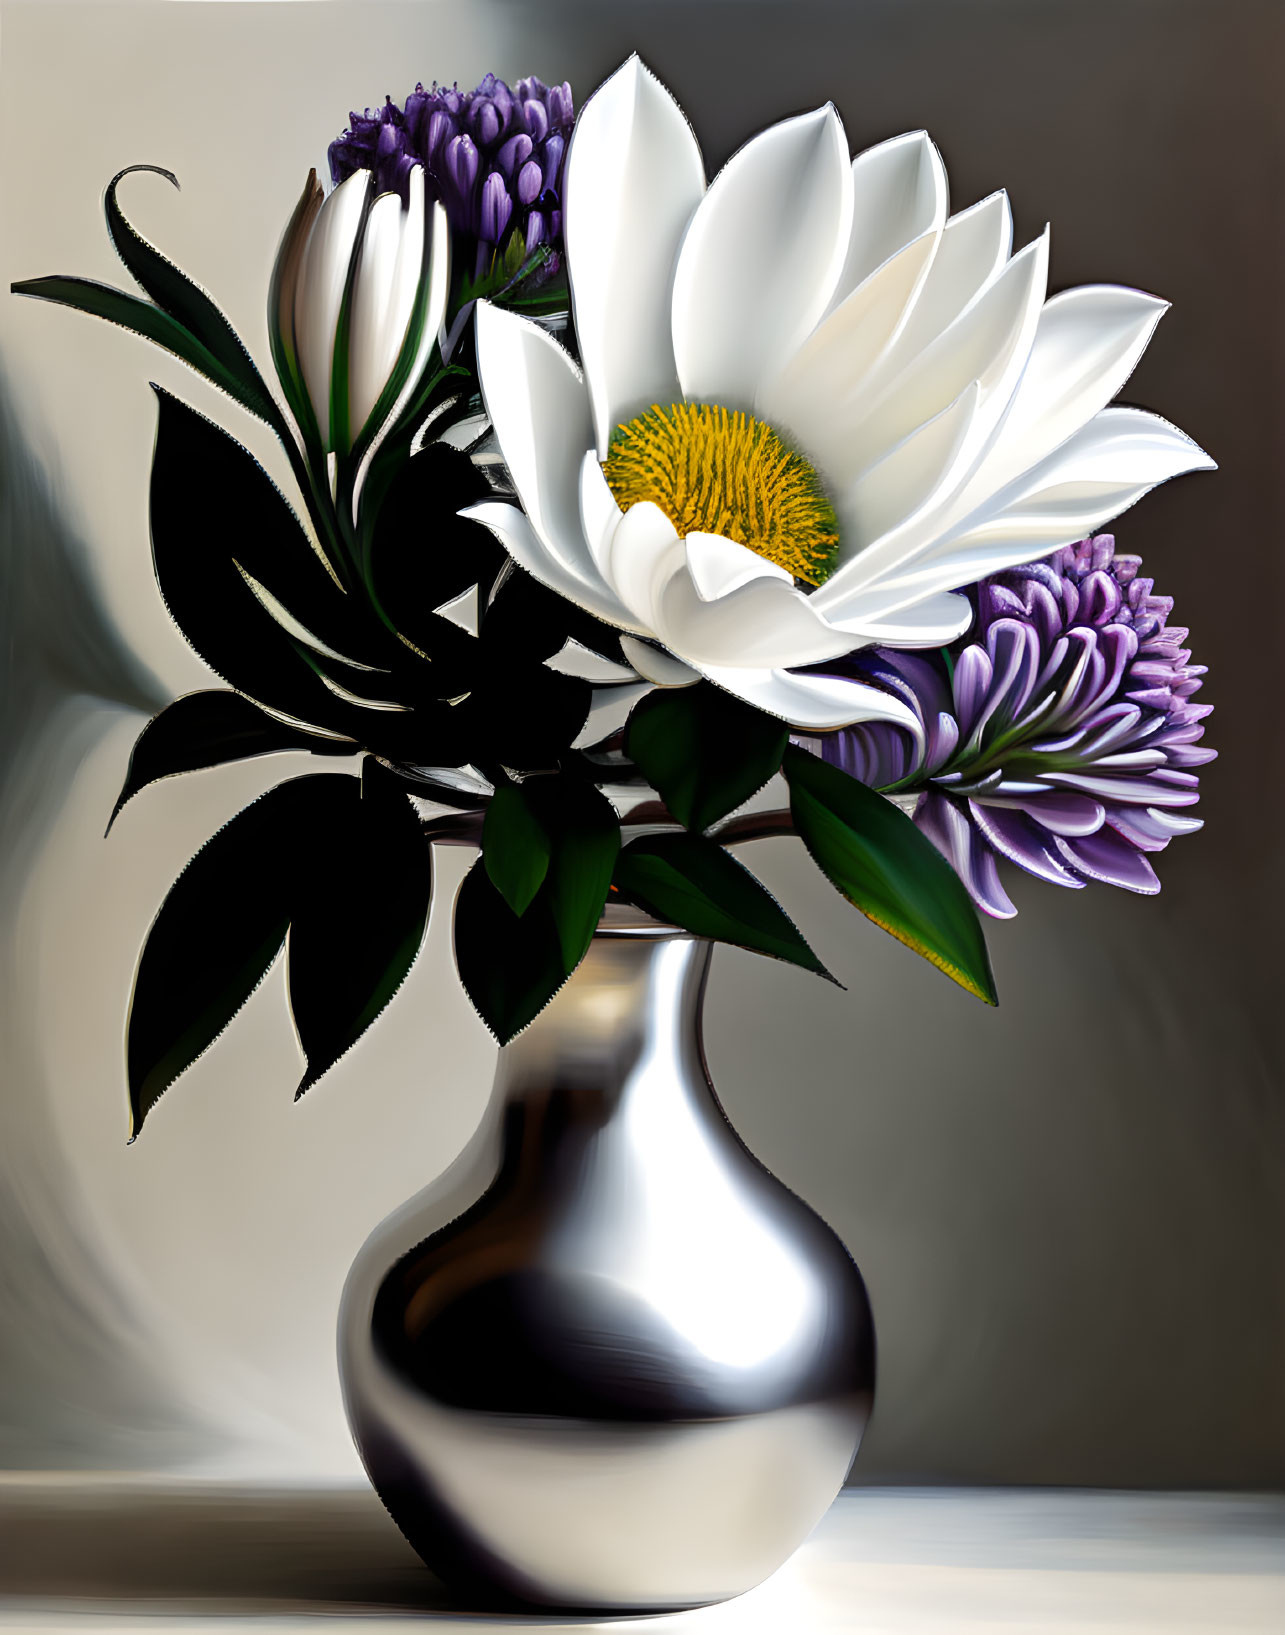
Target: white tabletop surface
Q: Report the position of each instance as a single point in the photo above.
(98, 1554)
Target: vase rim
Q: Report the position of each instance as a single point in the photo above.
(620, 919)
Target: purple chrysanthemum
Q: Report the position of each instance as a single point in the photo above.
(1060, 734)
(492, 156)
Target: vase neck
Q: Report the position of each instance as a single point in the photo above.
(635, 996)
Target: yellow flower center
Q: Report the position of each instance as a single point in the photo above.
(713, 470)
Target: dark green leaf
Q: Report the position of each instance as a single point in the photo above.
(510, 967)
(422, 553)
(585, 835)
(140, 318)
(689, 880)
(528, 621)
(185, 301)
(703, 751)
(586, 844)
(216, 516)
(364, 882)
(210, 945)
(524, 716)
(880, 861)
(211, 729)
(515, 847)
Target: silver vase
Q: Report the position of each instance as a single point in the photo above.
(607, 1361)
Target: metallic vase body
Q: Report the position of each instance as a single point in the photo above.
(608, 1361)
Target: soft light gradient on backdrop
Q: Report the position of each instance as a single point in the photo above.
(1069, 1211)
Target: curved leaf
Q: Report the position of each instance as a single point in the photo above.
(422, 554)
(364, 883)
(584, 835)
(215, 517)
(515, 847)
(513, 959)
(690, 881)
(211, 729)
(184, 300)
(525, 620)
(511, 967)
(873, 853)
(703, 751)
(525, 715)
(141, 318)
(210, 945)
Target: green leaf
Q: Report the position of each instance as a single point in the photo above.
(216, 516)
(690, 881)
(210, 729)
(184, 300)
(879, 860)
(340, 862)
(422, 553)
(585, 835)
(364, 884)
(515, 847)
(211, 944)
(511, 967)
(142, 318)
(703, 751)
(513, 961)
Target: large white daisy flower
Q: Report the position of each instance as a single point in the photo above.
(811, 405)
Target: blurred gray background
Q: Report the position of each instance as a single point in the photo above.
(1071, 1211)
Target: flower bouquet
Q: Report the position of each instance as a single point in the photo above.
(620, 495)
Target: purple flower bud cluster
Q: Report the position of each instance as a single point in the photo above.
(493, 157)
(1061, 733)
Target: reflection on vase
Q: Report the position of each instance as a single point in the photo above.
(607, 1361)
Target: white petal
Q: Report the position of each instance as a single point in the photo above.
(410, 254)
(1108, 465)
(379, 315)
(1087, 344)
(1001, 323)
(644, 555)
(462, 611)
(907, 621)
(988, 343)
(816, 703)
(765, 622)
(899, 484)
(574, 659)
(656, 664)
(971, 253)
(599, 514)
(862, 348)
(834, 362)
(608, 711)
(633, 179)
(321, 290)
(540, 410)
(514, 531)
(761, 258)
(898, 193)
(435, 265)
(719, 565)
